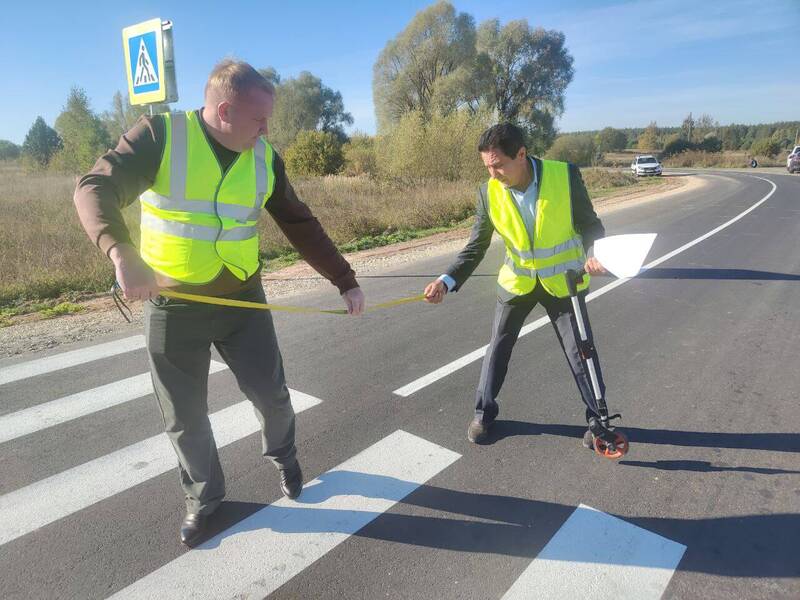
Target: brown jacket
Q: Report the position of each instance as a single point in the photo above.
(122, 174)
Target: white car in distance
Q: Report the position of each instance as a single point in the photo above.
(645, 164)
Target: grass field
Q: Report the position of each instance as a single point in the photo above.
(47, 260)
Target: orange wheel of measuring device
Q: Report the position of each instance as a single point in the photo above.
(613, 451)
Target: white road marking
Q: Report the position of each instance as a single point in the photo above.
(61, 410)
(475, 355)
(259, 554)
(48, 364)
(34, 506)
(595, 555)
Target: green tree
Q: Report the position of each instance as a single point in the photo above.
(611, 140)
(710, 143)
(83, 133)
(41, 143)
(304, 103)
(705, 125)
(524, 73)
(314, 153)
(9, 150)
(439, 146)
(675, 145)
(123, 115)
(687, 128)
(426, 67)
(271, 75)
(650, 140)
(359, 155)
(732, 137)
(766, 147)
(577, 149)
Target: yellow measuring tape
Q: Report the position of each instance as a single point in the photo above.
(282, 307)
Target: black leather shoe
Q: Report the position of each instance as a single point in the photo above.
(292, 481)
(478, 431)
(193, 528)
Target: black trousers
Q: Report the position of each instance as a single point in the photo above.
(508, 320)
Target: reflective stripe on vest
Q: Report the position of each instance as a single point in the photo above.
(198, 232)
(575, 242)
(544, 272)
(555, 247)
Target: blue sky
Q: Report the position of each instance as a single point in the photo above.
(635, 61)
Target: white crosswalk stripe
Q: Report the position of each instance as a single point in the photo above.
(57, 362)
(262, 552)
(71, 407)
(34, 506)
(595, 555)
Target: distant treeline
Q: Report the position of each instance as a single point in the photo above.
(733, 137)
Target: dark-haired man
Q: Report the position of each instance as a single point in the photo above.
(542, 211)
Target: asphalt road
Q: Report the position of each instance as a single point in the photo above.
(699, 354)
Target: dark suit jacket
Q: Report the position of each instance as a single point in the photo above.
(584, 218)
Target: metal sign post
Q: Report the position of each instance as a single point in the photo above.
(150, 62)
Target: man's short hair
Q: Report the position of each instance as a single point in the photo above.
(507, 137)
(231, 78)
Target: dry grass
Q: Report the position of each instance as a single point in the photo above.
(350, 208)
(46, 255)
(602, 179)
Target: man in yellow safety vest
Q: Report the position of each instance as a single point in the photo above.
(542, 211)
(204, 177)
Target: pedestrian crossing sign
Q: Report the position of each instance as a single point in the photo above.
(144, 62)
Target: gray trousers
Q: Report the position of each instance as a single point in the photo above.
(508, 320)
(179, 337)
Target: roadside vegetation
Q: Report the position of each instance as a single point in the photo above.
(46, 258)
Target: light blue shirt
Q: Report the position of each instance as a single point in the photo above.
(526, 203)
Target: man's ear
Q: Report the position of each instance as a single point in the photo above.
(224, 109)
(522, 152)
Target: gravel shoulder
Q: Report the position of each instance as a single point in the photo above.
(99, 317)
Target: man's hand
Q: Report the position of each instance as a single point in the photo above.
(593, 267)
(435, 291)
(133, 275)
(354, 299)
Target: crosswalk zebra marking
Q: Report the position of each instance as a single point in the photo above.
(259, 554)
(61, 410)
(57, 362)
(34, 506)
(595, 555)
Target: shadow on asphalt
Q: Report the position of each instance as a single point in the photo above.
(720, 274)
(701, 466)
(777, 442)
(752, 545)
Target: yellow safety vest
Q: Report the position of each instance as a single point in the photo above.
(555, 247)
(197, 219)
